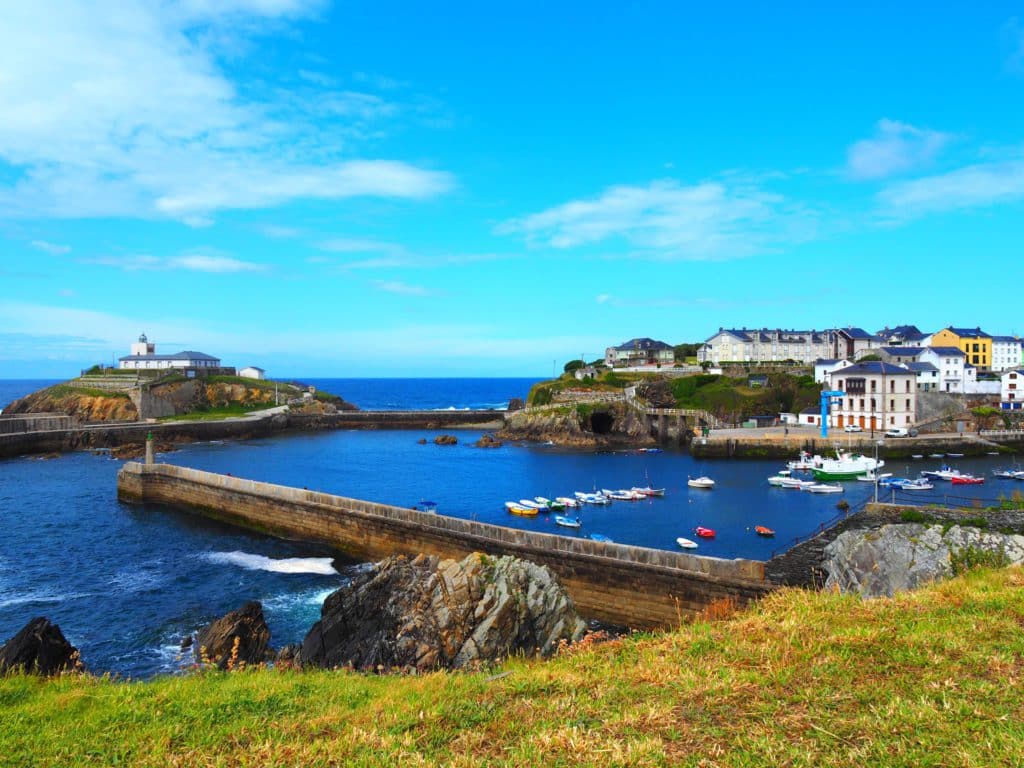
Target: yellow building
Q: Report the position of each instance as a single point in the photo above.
(973, 342)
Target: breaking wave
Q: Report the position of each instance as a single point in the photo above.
(322, 566)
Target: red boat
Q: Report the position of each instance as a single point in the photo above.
(707, 533)
(966, 480)
(760, 530)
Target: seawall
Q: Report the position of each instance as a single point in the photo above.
(777, 447)
(620, 584)
(113, 435)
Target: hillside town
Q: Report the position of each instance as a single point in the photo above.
(891, 378)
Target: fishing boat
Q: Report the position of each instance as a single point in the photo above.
(648, 491)
(704, 533)
(1004, 474)
(519, 509)
(686, 543)
(915, 485)
(944, 472)
(555, 505)
(568, 522)
(845, 466)
(701, 482)
(967, 480)
(805, 461)
(601, 538)
(824, 488)
(761, 530)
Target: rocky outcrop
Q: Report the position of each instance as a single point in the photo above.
(896, 557)
(428, 613)
(81, 406)
(488, 441)
(584, 425)
(446, 440)
(240, 636)
(39, 648)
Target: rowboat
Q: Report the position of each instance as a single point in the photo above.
(779, 480)
(1004, 474)
(704, 533)
(701, 482)
(557, 506)
(591, 498)
(569, 503)
(824, 488)
(967, 480)
(622, 495)
(761, 530)
(517, 509)
(686, 543)
(648, 491)
(915, 485)
(531, 504)
(568, 522)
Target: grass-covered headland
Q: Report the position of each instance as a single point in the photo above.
(929, 678)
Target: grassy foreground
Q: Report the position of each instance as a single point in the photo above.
(930, 678)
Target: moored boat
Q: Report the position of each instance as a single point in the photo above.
(761, 530)
(845, 466)
(1004, 474)
(569, 503)
(915, 485)
(531, 504)
(568, 522)
(686, 543)
(701, 482)
(648, 491)
(824, 488)
(555, 505)
(967, 480)
(704, 533)
(518, 509)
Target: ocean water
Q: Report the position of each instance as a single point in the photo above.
(126, 582)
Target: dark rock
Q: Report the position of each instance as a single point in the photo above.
(657, 393)
(289, 655)
(516, 404)
(186, 642)
(446, 440)
(488, 441)
(422, 441)
(39, 648)
(216, 643)
(428, 613)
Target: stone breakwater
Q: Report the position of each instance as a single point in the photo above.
(615, 583)
(755, 447)
(111, 436)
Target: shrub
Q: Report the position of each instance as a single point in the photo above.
(970, 558)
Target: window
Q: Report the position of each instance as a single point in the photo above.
(862, 403)
(892, 419)
(908, 385)
(874, 385)
(908, 404)
(892, 405)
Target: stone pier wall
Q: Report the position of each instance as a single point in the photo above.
(634, 586)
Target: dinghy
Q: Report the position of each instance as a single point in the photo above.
(824, 488)
(518, 509)
(704, 533)
(686, 543)
(568, 522)
(761, 530)
(701, 482)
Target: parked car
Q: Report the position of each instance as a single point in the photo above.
(853, 428)
(897, 432)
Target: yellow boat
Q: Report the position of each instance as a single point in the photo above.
(517, 509)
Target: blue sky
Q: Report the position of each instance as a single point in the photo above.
(398, 189)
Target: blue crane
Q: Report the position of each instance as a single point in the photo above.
(827, 397)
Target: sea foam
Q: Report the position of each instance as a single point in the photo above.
(319, 565)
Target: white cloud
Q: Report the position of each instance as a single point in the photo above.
(665, 219)
(194, 262)
(973, 186)
(122, 108)
(403, 289)
(51, 248)
(895, 148)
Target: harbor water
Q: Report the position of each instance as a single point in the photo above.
(126, 583)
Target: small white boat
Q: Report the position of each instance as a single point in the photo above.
(870, 477)
(648, 491)
(936, 455)
(795, 484)
(569, 503)
(824, 488)
(954, 455)
(568, 522)
(686, 543)
(555, 505)
(531, 504)
(622, 495)
(806, 461)
(591, 498)
(1004, 474)
(915, 485)
(917, 455)
(779, 479)
(701, 482)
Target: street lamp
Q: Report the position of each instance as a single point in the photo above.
(875, 470)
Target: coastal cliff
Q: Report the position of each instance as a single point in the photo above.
(579, 425)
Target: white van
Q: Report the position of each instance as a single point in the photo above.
(897, 432)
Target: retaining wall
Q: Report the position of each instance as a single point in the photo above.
(620, 584)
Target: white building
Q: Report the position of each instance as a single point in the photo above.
(878, 396)
(144, 357)
(1007, 353)
(639, 353)
(824, 367)
(950, 361)
(252, 372)
(927, 376)
(765, 345)
(1011, 390)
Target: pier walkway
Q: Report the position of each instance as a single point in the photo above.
(617, 583)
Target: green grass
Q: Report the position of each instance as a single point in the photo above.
(64, 390)
(929, 678)
(224, 412)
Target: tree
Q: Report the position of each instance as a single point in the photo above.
(573, 365)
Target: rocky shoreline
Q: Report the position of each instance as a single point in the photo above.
(404, 614)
